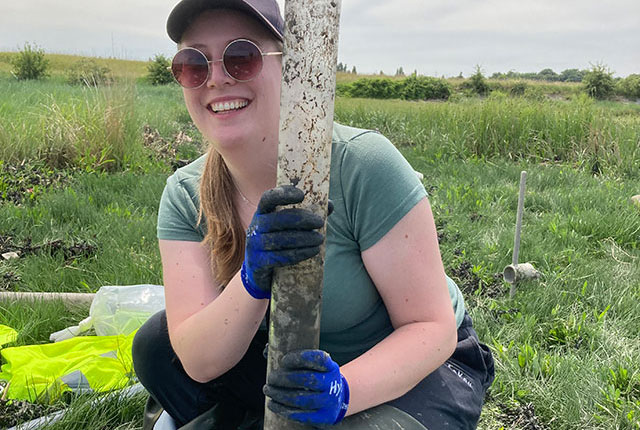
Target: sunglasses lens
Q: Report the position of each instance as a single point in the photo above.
(242, 60)
(190, 68)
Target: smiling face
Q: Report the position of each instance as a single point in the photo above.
(230, 114)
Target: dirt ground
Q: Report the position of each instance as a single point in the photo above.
(16, 412)
(522, 417)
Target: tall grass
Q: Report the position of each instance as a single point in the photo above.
(98, 132)
(579, 131)
(87, 127)
(101, 127)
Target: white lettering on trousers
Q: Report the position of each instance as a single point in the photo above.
(460, 374)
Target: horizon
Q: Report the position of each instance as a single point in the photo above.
(431, 37)
(349, 67)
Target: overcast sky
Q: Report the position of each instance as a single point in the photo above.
(445, 37)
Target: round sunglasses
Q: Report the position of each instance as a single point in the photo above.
(241, 61)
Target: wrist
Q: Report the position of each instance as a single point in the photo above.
(250, 287)
(345, 400)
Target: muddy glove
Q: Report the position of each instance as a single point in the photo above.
(276, 239)
(308, 388)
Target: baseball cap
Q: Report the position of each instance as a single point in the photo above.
(265, 11)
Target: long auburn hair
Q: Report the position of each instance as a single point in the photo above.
(225, 235)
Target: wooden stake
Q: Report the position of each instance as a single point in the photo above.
(304, 158)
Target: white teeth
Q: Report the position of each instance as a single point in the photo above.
(225, 106)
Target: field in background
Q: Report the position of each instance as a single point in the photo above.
(60, 63)
(82, 171)
(136, 70)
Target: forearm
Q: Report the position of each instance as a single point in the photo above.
(213, 340)
(394, 366)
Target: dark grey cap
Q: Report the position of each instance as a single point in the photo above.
(265, 11)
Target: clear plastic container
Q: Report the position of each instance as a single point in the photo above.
(118, 310)
(123, 309)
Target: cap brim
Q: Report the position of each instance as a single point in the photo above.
(186, 11)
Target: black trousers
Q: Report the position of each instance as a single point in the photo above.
(450, 397)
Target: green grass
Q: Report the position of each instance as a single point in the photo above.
(567, 347)
(87, 128)
(60, 63)
(557, 341)
(116, 213)
(588, 134)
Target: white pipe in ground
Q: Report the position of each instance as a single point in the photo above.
(67, 298)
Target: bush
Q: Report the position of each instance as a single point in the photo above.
(598, 82)
(88, 72)
(548, 75)
(30, 63)
(630, 87)
(412, 88)
(159, 73)
(374, 88)
(342, 89)
(424, 88)
(572, 75)
(477, 83)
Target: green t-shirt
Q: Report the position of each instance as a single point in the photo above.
(372, 187)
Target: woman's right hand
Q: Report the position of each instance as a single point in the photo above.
(278, 238)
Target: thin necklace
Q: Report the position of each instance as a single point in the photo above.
(246, 200)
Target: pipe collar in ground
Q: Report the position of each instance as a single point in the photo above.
(520, 272)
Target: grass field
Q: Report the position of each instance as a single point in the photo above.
(82, 172)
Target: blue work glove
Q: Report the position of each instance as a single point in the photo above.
(308, 388)
(278, 238)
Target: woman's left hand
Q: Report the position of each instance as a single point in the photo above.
(308, 388)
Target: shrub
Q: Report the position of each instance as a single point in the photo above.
(342, 89)
(412, 88)
(548, 75)
(630, 87)
(159, 73)
(424, 88)
(374, 88)
(598, 82)
(477, 83)
(30, 63)
(572, 75)
(88, 72)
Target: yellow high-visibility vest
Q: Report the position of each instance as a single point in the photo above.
(7, 335)
(86, 363)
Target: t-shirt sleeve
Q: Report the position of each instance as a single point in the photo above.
(178, 214)
(380, 187)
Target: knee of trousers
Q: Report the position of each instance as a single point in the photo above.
(153, 357)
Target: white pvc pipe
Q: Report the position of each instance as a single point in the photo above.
(516, 239)
(304, 159)
(67, 298)
(520, 272)
(47, 420)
